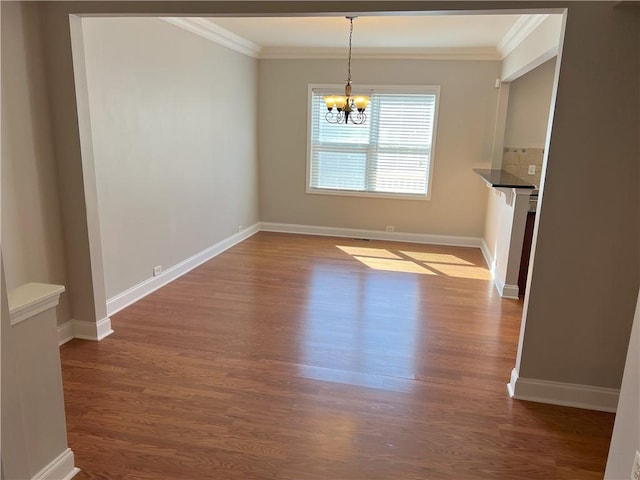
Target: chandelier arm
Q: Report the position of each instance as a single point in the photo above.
(335, 117)
(357, 118)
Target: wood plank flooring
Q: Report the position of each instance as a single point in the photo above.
(312, 358)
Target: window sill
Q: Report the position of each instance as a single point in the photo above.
(351, 193)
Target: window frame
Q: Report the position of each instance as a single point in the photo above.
(372, 90)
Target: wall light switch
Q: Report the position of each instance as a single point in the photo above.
(532, 170)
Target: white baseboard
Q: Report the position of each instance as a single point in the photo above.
(92, 330)
(488, 257)
(61, 468)
(65, 332)
(135, 293)
(567, 394)
(372, 234)
(506, 290)
(84, 329)
(511, 291)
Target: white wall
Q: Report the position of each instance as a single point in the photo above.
(32, 232)
(466, 118)
(173, 118)
(529, 106)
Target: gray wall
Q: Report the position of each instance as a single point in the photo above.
(528, 111)
(626, 432)
(466, 117)
(32, 239)
(584, 281)
(173, 121)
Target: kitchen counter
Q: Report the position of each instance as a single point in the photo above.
(501, 178)
(507, 213)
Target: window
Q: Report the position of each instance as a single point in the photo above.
(389, 155)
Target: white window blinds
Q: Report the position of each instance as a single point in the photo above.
(389, 155)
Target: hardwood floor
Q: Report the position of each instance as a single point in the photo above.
(292, 358)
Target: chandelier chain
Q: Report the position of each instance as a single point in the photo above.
(349, 61)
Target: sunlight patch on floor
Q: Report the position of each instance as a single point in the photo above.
(423, 263)
(369, 252)
(436, 257)
(461, 271)
(392, 265)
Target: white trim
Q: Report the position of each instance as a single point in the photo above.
(520, 30)
(488, 257)
(214, 33)
(506, 290)
(31, 299)
(84, 329)
(103, 329)
(144, 288)
(326, 53)
(371, 234)
(366, 194)
(87, 330)
(511, 386)
(536, 62)
(511, 291)
(560, 393)
(61, 468)
(65, 332)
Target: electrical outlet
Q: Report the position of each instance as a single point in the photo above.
(390, 228)
(157, 270)
(532, 170)
(240, 228)
(635, 471)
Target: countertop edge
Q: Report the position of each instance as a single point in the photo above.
(502, 179)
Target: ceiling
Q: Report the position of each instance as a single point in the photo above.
(418, 31)
(486, 36)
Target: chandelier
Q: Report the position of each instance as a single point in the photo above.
(348, 108)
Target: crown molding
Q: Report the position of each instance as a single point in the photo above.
(520, 30)
(297, 53)
(214, 33)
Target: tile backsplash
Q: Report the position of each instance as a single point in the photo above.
(517, 161)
